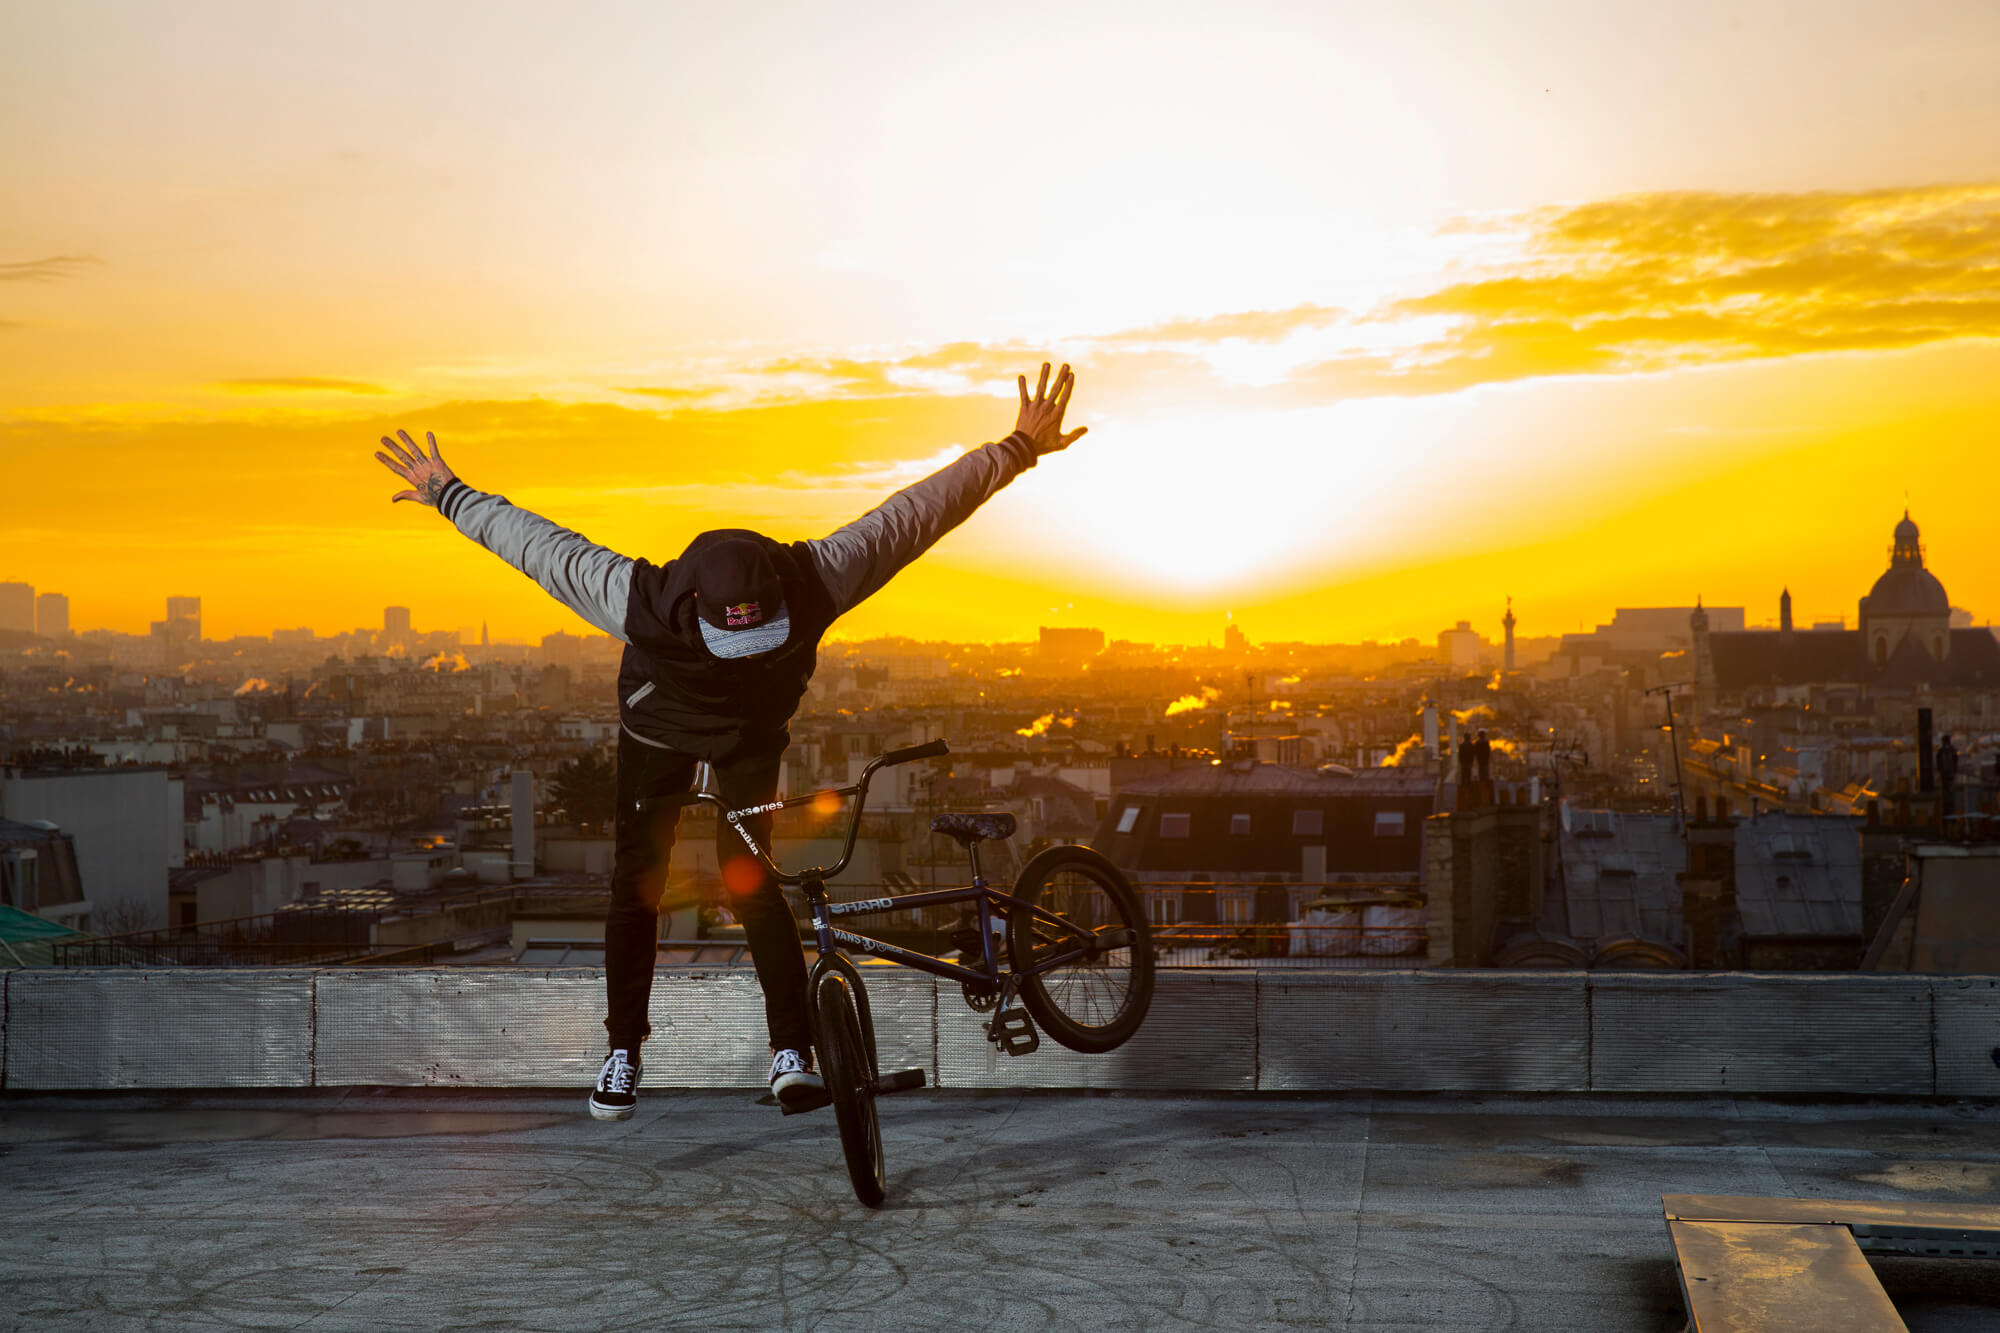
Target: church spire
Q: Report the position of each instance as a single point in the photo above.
(1906, 549)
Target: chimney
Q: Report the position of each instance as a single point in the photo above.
(1926, 755)
(1709, 911)
(522, 818)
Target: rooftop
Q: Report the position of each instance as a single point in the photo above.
(1244, 777)
(1796, 876)
(26, 939)
(374, 1208)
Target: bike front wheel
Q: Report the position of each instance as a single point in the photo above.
(1082, 949)
(850, 1082)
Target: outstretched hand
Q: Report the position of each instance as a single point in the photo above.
(426, 476)
(1041, 416)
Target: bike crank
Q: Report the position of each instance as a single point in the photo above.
(1011, 1029)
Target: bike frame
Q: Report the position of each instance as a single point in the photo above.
(987, 978)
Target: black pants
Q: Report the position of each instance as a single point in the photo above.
(645, 839)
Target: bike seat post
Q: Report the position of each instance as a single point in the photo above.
(972, 850)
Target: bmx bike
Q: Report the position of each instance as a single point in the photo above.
(1069, 949)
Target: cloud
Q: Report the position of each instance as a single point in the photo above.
(957, 356)
(45, 270)
(837, 374)
(1638, 283)
(1656, 281)
(666, 392)
(1633, 284)
(300, 384)
(1249, 325)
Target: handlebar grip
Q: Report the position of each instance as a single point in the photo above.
(928, 750)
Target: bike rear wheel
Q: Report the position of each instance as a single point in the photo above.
(1084, 953)
(849, 1077)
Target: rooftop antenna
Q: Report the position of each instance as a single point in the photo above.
(1673, 738)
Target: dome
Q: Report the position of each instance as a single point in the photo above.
(1908, 590)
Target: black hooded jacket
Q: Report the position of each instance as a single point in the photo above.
(673, 692)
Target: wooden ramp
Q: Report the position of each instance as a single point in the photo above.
(1750, 1265)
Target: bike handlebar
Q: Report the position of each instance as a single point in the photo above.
(859, 791)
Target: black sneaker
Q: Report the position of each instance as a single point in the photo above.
(793, 1083)
(617, 1088)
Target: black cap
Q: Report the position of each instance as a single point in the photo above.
(735, 584)
(737, 593)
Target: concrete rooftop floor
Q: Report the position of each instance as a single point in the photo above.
(377, 1208)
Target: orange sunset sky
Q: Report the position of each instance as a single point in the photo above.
(1380, 313)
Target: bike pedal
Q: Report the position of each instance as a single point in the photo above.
(819, 1098)
(903, 1080)
(1013, 1032)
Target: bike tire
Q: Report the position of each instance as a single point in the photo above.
(844, 1067)
(1091, 1005)
(840, 963)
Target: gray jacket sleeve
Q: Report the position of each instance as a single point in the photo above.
(857, 560)
(583, 576)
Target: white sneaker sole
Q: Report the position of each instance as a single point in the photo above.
(794, 1088)
(598, 1112)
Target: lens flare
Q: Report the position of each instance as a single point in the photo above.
(742, 874)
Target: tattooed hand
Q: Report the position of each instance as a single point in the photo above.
(427, 475)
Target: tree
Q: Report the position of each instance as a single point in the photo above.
(587, 788)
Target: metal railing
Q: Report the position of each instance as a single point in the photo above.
(292, 937)
(165, 948)
(1291, 944)
(1211, 923)
(1202, 931)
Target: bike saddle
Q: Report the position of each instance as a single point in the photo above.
(970, 828)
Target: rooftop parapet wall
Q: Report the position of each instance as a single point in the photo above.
(1279, 1031)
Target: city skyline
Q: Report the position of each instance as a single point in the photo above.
(394, 621)
(1392, 316)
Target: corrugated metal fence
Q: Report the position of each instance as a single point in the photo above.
(1279, 1030)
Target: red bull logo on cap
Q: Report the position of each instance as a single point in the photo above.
(738, 615)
